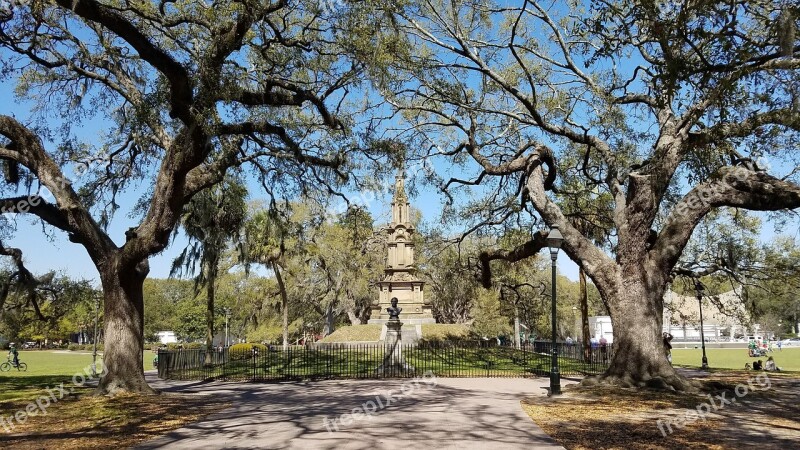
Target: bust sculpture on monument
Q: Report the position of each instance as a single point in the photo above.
(394, 311)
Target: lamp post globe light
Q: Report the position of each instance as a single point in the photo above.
(554, 241)
(698, 286)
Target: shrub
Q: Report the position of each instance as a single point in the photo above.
(73, 347)
(445, 332)
(244, 351)
(185, 346)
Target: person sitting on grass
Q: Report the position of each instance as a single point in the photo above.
(13, 354)
(770, 365)
(757, 365)
(747, 366)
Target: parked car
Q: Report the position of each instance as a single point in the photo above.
(29, 345)
(791, 342)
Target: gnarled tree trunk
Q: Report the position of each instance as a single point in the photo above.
(330, 319)
(284, 304)
(639, 359)
(124, 330)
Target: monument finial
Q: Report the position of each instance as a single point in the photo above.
(399, 186)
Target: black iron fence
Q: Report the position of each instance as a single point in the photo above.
(443, 359)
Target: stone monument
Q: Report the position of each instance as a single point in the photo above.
(400, 281)
(393, 362)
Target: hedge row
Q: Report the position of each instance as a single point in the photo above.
(175, 346)
(84, 347)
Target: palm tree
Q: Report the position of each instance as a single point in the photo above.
(266, 235)
(211, 220)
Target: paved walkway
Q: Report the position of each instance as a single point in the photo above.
(452, 413)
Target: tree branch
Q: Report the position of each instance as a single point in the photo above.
(69, 214)
(180, 84)
(728, 186)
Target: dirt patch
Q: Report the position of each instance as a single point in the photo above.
(91, 422)
(735, 410)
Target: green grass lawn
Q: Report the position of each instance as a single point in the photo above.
(734, 358)
(355, 333)
(55, 362)
(62, 363)
(444, 331)
(47, 369)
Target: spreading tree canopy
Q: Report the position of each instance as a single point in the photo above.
(173, 94)
(640, 118)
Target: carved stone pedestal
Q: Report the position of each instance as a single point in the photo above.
(393, 363)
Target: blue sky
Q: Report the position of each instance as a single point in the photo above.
(55, 252)
(51, 250)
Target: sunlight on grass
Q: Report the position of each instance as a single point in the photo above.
(80, 420)
(734, 358)
(355, 333)
(615, 418)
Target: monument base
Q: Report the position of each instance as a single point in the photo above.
(407, 321)
(393, 362)
(413, 331)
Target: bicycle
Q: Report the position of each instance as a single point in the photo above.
(6, 366)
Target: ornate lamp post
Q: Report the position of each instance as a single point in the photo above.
(554, 241)
(698, 286)
(227, 315)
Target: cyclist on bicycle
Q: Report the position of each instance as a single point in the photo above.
(13, 353)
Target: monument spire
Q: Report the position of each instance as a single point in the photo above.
(400, 186)
(400, 205)
(400, 280)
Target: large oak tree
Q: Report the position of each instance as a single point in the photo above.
(648, 115)
(181, 91)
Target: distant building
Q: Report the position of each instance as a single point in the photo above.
(167, 337)
(724, 316)
(600, 326)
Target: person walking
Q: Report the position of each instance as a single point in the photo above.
(604, 349)
(668, 346)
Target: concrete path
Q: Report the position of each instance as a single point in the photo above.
(445, 413)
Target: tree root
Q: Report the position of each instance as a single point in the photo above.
(116, 387)
(671, 382)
